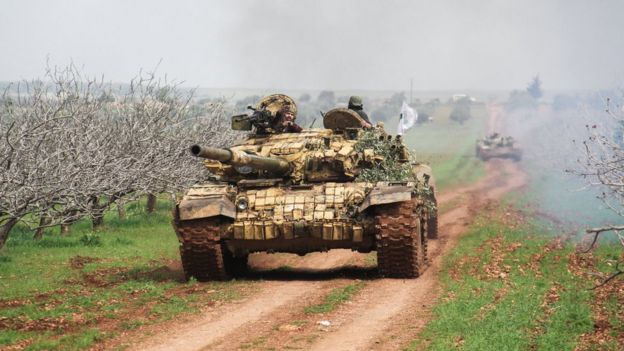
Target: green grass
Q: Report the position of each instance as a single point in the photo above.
(479, 311)
(335, 298)
(71, 292)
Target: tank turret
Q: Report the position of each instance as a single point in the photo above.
(498, 146)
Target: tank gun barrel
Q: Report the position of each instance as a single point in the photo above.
(274, 165)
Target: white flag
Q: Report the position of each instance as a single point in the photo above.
(407, 118)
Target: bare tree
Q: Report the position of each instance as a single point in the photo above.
(72, 146)
(602, 165)
(33, 117)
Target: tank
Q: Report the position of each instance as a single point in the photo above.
(497, 146)
(340, 187)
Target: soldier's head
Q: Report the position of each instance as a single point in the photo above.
(355, 102)
(286, 116)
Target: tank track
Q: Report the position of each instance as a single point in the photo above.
(432, 222)
(200, 249)
(401, 243)
(424, 233)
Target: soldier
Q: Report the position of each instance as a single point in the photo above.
(285, 121)
(355, 104)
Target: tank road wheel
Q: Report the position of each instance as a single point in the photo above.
(200, 249)
(432, 222)
(401, 243)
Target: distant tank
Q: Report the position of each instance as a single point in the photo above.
(340, 187)
(495, 145)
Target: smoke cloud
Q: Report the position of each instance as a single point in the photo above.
(309, 44)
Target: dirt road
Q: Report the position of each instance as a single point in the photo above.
(386, 314)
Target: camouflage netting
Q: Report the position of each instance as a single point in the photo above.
(390, 169)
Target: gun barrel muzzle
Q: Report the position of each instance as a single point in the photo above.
(213, 153)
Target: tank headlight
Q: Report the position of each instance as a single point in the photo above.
(242, 204)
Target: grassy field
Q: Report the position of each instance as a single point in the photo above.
(71, 292)
(512, 284)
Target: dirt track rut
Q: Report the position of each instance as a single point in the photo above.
(219, 323)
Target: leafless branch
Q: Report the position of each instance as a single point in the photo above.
(609, 278)
(602, 165)
(72, 145)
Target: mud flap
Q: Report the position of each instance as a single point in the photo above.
(387, 195)
(206, 207)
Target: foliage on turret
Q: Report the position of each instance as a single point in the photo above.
(392, 167)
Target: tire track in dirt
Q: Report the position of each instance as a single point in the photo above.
(196, 334)
(339, 267)
(270, 331)
(227, 325)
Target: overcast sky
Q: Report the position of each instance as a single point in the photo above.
(353, 44)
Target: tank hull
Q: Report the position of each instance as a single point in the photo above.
(233, 222)
(485, 152)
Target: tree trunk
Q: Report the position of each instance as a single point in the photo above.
(65, 229)
(5, 229)
(97, 213)
(43, 222)
(67, 223)
(97, 219)
(121, 209)
(151, 203)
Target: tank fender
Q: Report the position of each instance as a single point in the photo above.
(387, 195)
(424, 174)
(206, 207)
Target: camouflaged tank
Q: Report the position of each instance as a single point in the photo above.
(497, 146)
(339, 187)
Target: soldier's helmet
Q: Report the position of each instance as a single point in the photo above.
(355, 101)
(277, 103)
